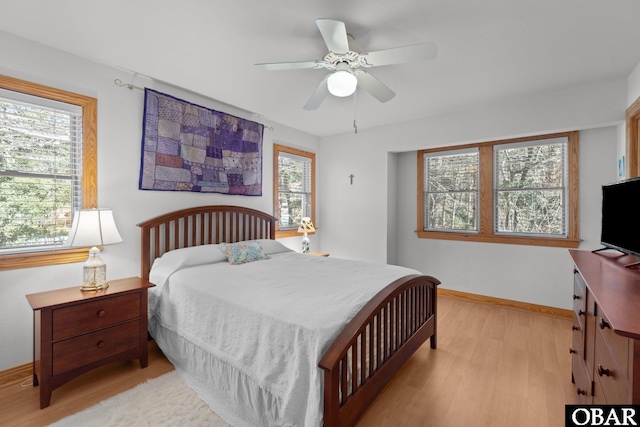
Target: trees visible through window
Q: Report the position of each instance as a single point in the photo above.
(294, 187)
(47, 170)
(40, 170)
(513, 191)
(531, 188)
(451, 190)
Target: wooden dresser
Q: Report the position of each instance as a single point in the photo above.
(77, 331)
(606, 328)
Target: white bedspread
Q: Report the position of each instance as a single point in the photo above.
(269, 320)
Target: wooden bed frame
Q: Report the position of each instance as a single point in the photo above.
(373, 346)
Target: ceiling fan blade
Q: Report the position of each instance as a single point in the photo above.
(375, 87)
(318, 96)
(398, 55)
(277, 66)
(334, 34)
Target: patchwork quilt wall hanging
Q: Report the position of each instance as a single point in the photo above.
(187, 147)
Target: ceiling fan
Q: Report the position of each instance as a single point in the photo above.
(346, 63)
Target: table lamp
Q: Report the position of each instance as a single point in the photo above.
(306, 226)
(93, 227)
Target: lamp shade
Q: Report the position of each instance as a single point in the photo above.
(93, 227)
(306, 226)
(342, 82)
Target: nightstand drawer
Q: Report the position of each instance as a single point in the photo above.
(81, 318)
(85, 349)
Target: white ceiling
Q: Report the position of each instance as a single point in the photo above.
(487, 49)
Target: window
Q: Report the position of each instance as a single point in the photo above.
(451, 189)
(47, 170)
(521, 191)
(294, 188)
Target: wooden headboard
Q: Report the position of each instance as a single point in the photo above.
(201, 225)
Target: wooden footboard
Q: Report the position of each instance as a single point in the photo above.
(375, 345)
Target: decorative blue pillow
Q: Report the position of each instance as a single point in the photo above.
(243, 252)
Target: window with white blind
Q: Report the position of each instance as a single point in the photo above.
(294, 187)
(46, 172)
(40, 170)
(521, 191)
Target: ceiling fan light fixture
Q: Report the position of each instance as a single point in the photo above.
(342, 83)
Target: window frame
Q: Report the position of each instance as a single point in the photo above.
(89, 105)
(486, 194)
(277, 149)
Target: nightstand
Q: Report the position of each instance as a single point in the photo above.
(318, 253)
(75, 331)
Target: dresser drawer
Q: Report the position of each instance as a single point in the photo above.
(85, 349)
(579, 297)
(577, 344)
(598, 395)
(81, 318)
(608, 374)
(618, 344)
(581, 381)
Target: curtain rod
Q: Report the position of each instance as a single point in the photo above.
(130, 86)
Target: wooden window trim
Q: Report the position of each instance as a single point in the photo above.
(633, 139)
(485, 233)
(89, 163)
(277, 148)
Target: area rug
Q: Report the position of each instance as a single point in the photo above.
(163, 401)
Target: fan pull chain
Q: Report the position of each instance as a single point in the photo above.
(355, 111)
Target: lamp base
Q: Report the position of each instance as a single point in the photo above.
(94, 288)
(305, 243)
(94, 273)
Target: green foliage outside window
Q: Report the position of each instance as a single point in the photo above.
(36, 179)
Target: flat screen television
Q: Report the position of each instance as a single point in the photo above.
(620, 216)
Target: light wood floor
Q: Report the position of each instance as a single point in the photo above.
(493, 367)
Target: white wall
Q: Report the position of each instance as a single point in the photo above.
(392, 209)
(633, 85)
(355, 218)
(119, 140)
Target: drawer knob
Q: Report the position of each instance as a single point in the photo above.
(100, 344)
(576, 296)
(602, 371)
(604, 324)
(101, 313)
(572, 351)
(581, 313)
(581, 392)
(575, 328)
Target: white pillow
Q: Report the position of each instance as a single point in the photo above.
(172, 261)
(272, 246)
